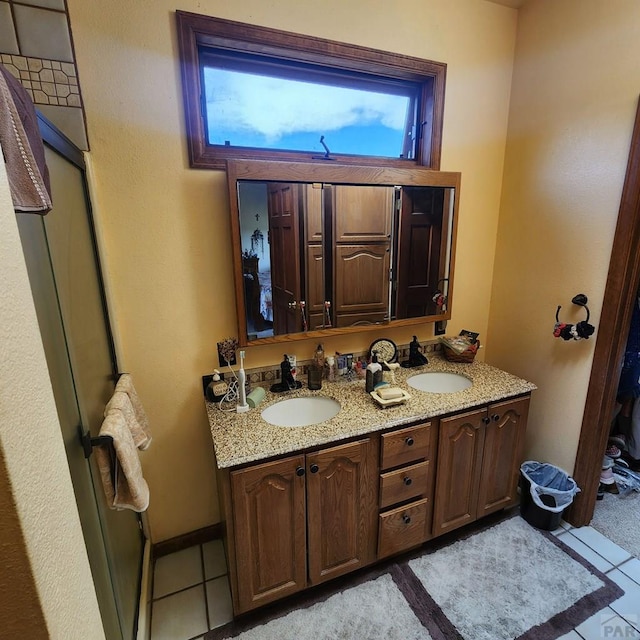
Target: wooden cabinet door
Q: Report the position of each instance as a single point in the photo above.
(361, 290)
(342, 500)
(362, 214)
(269, 524)
(315, 296)
(460, 451)
(503, 445)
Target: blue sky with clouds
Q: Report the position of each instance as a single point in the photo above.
(261, 111)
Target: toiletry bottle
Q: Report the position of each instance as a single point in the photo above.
(331, 369)
(217, 388)
(294, 369)
(318, 357)
(374, 373)
(316, 369)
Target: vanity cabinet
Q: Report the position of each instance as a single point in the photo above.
(301, 520)
(307, 517)
(479, 455)
(406, 488)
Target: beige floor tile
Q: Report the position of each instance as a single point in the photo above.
(219, 602)
(177, 571)
(179, 616)
(215, 564)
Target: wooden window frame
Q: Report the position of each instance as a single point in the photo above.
(196, 32)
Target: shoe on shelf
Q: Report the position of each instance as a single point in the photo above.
(618, 440)
(612, 451)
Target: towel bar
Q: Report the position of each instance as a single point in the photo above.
(88, 442)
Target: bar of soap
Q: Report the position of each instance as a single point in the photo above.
(390, 393)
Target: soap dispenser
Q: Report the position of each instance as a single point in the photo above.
(374, 373)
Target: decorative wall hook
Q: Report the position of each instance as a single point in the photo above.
(574, 331)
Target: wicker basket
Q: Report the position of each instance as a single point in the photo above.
(466, 356)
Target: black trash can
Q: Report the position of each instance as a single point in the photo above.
(545, 492)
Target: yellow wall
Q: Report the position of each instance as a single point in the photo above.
(574, 97)
(165, 229)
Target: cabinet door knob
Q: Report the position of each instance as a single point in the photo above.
(409, 442)
(314, 468)
(407, 481)
(486, 420)
(300, 471)
(406, 519)
(495, 417)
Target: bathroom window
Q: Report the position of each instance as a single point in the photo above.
(258, 93)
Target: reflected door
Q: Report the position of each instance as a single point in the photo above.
(419, 253)
(284, 241)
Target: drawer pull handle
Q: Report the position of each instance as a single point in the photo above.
(406, 519)
(314, 468)
(486, 420)
(495, 417)
(409, 441)
(407, 481)
(300, 471)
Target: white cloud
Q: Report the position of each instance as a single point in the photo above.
(274, 107)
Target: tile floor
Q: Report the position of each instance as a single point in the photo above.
(190, 593)
(191, 590)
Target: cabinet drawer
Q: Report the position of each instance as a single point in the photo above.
(403, 484)
(403, 528)
(406, 445)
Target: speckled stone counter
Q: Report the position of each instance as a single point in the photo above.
(246, 437)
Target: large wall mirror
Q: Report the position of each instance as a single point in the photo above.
(323, 248)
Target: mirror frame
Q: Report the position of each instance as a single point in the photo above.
(331, 173)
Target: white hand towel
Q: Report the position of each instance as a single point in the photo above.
(120, 469)
(140, 429)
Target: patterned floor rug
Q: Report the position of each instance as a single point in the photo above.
(504, 581)
(617, 517)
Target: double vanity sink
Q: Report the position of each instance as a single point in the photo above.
(296, 420)
(310, 410)
(316, 484)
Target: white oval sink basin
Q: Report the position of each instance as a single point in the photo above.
(439, 382)
(300, 412)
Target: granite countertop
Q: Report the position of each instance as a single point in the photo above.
(246, 437)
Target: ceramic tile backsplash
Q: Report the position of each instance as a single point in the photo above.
(48, 4)
(36, 47)
(264, 375)
(43, 33)
(8, 39)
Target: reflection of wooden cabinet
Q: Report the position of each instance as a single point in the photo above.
(362, 214)
(361, 283)
(282, 535)
(479, 455)
(362, 240)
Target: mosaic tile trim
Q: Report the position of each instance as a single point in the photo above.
(270, 375)
(48, 82)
